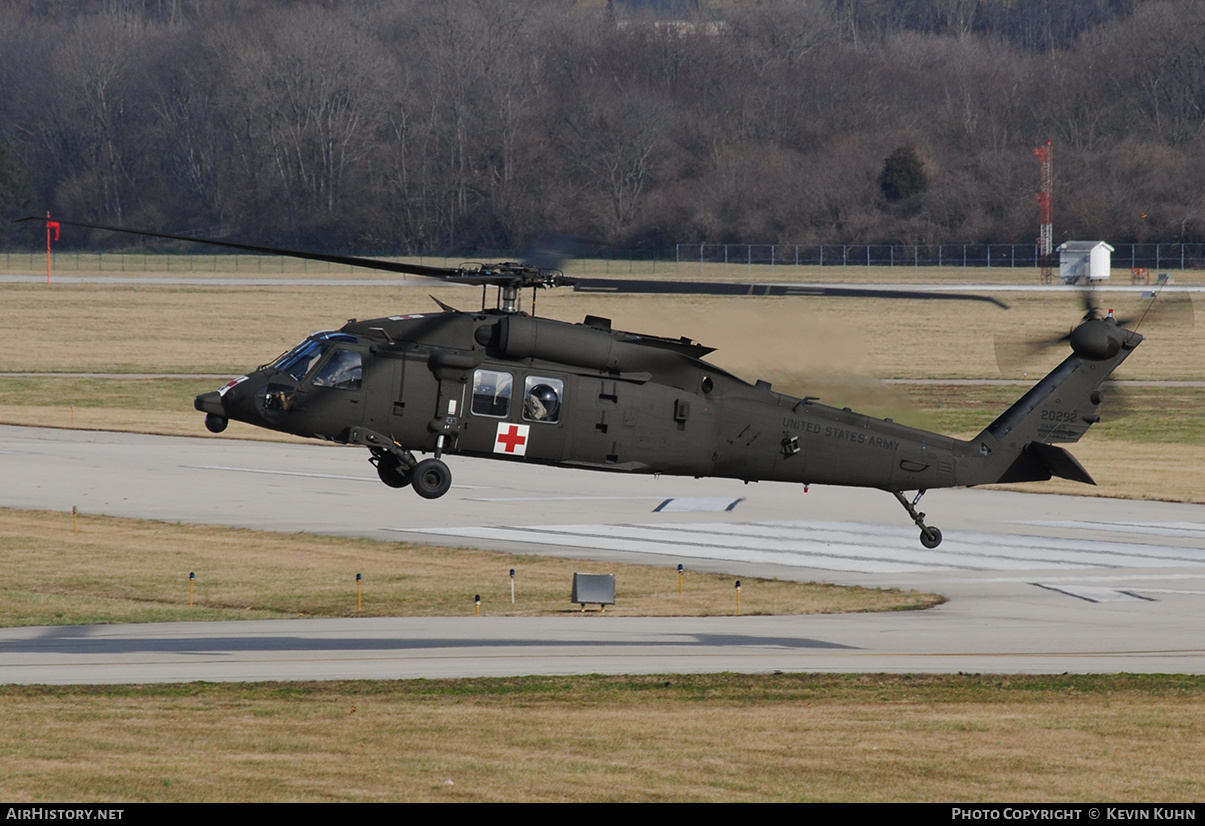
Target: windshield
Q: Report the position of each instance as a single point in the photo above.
(298, 361)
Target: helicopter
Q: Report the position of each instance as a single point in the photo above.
(499, 383)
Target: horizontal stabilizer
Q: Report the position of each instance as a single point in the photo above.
(1038, 462)
(1060, 463)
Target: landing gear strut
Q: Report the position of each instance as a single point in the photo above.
(929, 537)
(398, 468)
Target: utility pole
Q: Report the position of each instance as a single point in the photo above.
(1046, 208)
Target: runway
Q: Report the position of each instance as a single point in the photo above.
(1036, 583)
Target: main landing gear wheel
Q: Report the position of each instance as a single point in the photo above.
(392, 474)
(930, 537)
(431, 478)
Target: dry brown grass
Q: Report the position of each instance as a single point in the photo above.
(124, 570)
(698, 738)
(183, 329)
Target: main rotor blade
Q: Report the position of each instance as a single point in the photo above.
(617, 285)
(445, 273)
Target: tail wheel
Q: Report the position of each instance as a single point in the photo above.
(930, 537)
(431, 478)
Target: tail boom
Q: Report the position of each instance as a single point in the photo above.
(1020, 445)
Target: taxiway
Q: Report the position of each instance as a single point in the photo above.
(1036, 583)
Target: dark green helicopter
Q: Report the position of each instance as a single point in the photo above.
(499, 383)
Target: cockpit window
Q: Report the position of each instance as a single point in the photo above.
(342, 370)
(298, 361)
(491, 392)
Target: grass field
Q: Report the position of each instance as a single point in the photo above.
(103, 569)
(691, 737)
(225, 329)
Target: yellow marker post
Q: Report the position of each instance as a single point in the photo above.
(359, 601)
(192, 579)
(512, 586)
(75, 519)
(738, 597)
(477, 599)
(681, 569)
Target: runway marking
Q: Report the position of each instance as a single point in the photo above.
(1189, 530)
(1090, 593)
(274, 472)
(562, 498)
(699, 504)
(306, 473)
(838, 546)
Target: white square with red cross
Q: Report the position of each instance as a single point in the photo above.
(511, 439)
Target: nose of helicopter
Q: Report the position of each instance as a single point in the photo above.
(221, 405)
(210, 403)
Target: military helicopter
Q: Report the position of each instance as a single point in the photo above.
(499, 383)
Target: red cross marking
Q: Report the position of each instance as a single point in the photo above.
(511, 439)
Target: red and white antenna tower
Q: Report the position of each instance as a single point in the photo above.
(1046, 207)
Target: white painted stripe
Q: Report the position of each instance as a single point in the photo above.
(801, 559)
(308, 474)
(1190, 530)
(1091, 593)
(564, 498)
(850, 547)
(701, 504)
(275, 472)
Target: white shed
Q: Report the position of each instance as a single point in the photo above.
(1081, 262)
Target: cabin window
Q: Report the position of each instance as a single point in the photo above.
(491, 393)
(343, 371)
(542, 399)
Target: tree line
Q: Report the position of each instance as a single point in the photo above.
(418, 125)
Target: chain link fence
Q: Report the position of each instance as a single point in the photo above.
(606, 261)
(1173, 256)
(1155, 257)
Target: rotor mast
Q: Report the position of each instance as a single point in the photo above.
(508, 298)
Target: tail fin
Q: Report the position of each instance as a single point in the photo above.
(1019, 445)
